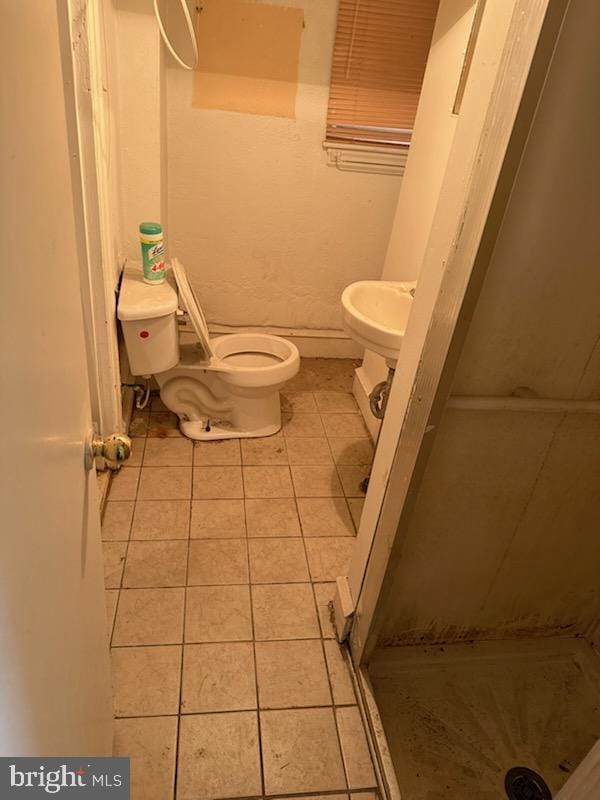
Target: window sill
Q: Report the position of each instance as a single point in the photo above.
(350, 157)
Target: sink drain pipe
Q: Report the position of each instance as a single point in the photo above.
(378, 400)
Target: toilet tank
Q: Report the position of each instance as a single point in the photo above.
(149, 322)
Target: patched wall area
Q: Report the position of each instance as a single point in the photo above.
(269, 234)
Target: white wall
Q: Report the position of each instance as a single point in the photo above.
(133, 43)
(269, 234)
(435, 125)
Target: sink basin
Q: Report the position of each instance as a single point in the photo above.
(375, 314)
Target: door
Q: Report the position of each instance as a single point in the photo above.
(54, 674)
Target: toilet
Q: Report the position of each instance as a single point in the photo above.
(220, 388)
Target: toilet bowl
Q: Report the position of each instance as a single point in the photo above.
(220, 388)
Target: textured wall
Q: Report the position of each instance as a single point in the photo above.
(269, 234)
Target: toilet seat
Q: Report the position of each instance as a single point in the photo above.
(247, 360)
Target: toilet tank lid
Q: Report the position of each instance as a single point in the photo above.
(140, 300)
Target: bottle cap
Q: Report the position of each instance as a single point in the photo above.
(151, 228)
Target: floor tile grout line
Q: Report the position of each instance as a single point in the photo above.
(181, 669)
(256, 685)
(185, 642)
(124, 563)
(257, 709)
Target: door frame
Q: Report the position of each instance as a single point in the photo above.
(508, 71)
(90, 140)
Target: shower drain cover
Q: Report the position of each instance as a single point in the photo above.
(522, 783)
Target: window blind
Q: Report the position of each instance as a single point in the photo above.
(379, 59)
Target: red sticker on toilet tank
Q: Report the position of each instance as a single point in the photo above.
(144, 334)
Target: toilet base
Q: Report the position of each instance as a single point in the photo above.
(197, 430)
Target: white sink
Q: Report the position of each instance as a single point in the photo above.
(375, 314)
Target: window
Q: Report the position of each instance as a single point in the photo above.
(379, 59)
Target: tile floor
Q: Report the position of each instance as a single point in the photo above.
(220, 560)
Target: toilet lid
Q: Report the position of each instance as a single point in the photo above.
(190, 303)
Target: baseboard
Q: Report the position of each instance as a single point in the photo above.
(361, 388)
(311, 343)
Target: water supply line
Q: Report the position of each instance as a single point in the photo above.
(142, 394)
(167, 41)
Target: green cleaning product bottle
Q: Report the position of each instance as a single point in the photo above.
(153, 252)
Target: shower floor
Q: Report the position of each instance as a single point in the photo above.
(220, 562)
(458, 717)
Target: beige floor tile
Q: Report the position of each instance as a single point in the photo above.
(328, 558)
(218, 677)
(165, 483)
(355, 750)
(291, 674)
(116, 522)
(263, 451)
(301, 751)
(272, 517)
(151, 744)
(269, 481)
(326, 374)
(352, 478)
(146, 680)
(324, 516)
(336, 402)
(217, 454)
(339, 674)
(351, 425)
(124, 484)
(323, 797)
(217, 562)
(277, 561)
(218, 519)
(309, 451)
(299, 424)
(284, 611)
(114, 561)
(298, 402)
(149, 616)
(352, 451)
(168, 453)
(356, 505)
(316, 482)
(324, 593)
(138, 445)
(364, 795)
(218, 483)
(155, 564)
(111, 597)
(163, 425)
(138, 426)
(218, 756)
(161, 519)
(218, 614)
